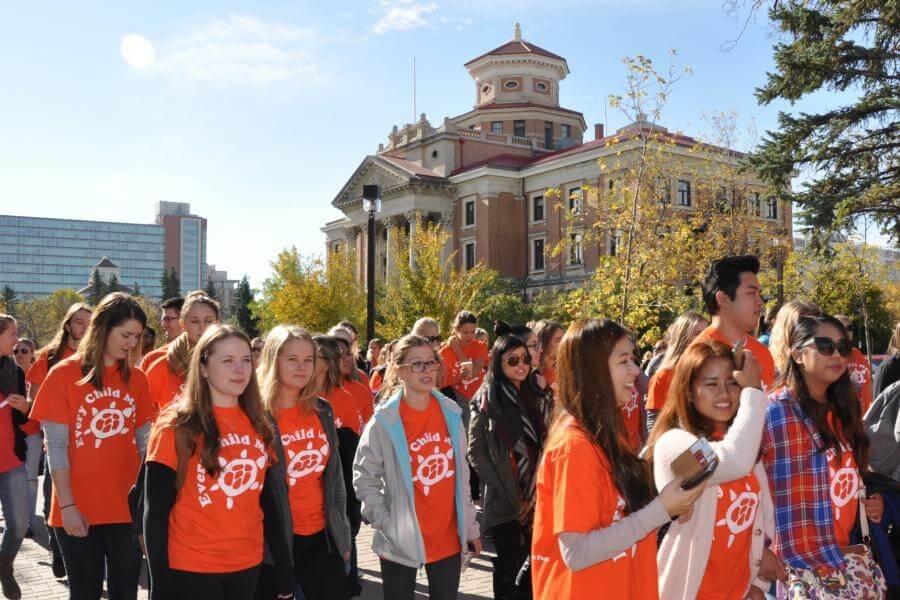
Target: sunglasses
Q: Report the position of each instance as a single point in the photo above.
(513, 361)
(826, 346)
(422, 366)
(22, 351)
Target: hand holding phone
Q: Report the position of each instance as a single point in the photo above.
(695, 464)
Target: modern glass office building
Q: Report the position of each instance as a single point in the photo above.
(38, 255)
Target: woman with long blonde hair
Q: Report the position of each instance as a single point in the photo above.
(95, 410)
(310, 466)
(209, 491)
(783, 328)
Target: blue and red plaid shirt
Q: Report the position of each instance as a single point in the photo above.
(797, 468)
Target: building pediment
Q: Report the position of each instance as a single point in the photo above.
(386, 172)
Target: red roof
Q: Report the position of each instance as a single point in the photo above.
(411, 167)
(512, 162)
(518, 47)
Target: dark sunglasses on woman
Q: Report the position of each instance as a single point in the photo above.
(826, 346)
(513, 361)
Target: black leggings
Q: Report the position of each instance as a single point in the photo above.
(239, 585)
(512, 550)
(443, 579)
(109, 550)
(318, 569)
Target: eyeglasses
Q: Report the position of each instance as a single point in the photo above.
(168, 319)
(826, 346)
(22, 351)
(256, 349)
(433, 339)
(515, 359)
(421, 366)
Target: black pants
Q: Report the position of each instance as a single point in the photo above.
(512, 550)
(48, 493)
(319, 567)
(443, 579)
(347, 443)
(109, 550)
(239, 585)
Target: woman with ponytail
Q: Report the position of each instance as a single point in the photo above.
(595, 514)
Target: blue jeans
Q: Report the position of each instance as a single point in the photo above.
(14, 500)
(33, 455)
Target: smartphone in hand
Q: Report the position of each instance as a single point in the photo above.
(696, 464)
(739, 354)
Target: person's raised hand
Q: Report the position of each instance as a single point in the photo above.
(749, 374)
(678, 501)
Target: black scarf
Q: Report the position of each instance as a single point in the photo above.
(517, 428)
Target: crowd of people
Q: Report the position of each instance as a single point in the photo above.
(723, 467)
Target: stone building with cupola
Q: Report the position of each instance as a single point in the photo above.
(484, 176)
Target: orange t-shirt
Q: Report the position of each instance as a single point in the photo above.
(727, 573)
(434, 479)
(549, 374)
(760, 353)
(861, 376)
(364, 400)
(165, 385)
(844, 491)
(576, 492)
(631, 413)
(306, 451)
(36, 376)
(659, 388)
(153, 356)
(103, 457)
(474, 350)
(346, 409)
(363, 378)
(376, 381)
(216, 524)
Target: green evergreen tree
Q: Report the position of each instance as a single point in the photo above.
(211, 290)
(242, 311)
(135, 289)
(113, 284)
(96, 288)
(9, 300)
(851, 151)
(171, 286)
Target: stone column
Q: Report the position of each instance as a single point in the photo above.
(411, 216)
(446, 221)
(389, 223)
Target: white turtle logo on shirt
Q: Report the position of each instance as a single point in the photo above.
(740, 513)
(108, 422)
(306, 461)
(104, 423)
(237, 476)
(632, 404)
(434, 467)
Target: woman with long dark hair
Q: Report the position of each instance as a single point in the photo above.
(595, 513)
(506, 434)
(95, 410)
(310, 465)
(720, 550)
(814, 449)
(209, 492)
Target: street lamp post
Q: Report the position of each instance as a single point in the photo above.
(371, 204)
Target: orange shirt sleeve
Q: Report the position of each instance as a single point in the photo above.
(659, 389)
(52, 402)
(38, 371)
(480, 351)
(452, 376)
(578, 489)
(376, 381)
(161, 447)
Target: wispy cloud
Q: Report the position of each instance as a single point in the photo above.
(241, 50)
(402, 15)
(458, 23)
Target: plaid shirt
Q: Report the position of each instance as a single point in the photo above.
(794, 457)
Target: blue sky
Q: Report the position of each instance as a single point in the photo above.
(256, 113)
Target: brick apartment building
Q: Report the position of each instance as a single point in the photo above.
(484, 175)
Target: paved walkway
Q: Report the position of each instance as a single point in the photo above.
(36, 579)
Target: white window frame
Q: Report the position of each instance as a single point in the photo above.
(565, 131)
(465, 246)
(614, 242)
(500, 123)
(576, 207)
(534, 200)
(772, 208)
(688, 191)
(576, 244)
(474, 213)
(534, 255)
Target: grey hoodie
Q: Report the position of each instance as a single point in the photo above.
(382, 478)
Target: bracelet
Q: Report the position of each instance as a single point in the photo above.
(62, 508)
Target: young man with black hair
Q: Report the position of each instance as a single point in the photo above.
(733, 299)
(169, 320)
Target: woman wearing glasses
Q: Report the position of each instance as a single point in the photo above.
(412, 478)
(506, 434)
(814, 449)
